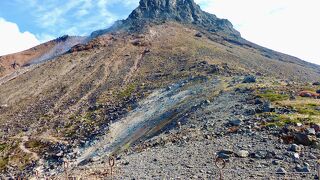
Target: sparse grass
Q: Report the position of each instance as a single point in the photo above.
(46, 117)
(20, 160)
(273, 96)
(127, 92)
(3, 162)
(308, 111)
(89, 116)
(303, 106)
(282, 119)
(2, 147)
(33, 144)
(304, 112)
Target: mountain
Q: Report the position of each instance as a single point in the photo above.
(167, 90)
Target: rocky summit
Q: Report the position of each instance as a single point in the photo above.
(172, 92)
(184, 11)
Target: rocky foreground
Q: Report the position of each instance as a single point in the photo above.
(237, 125)
(166, 92)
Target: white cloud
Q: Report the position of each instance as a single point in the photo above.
(289, 26)
(12, 40)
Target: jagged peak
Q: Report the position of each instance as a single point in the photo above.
(182, 11)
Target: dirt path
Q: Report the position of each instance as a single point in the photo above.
(15, 74)
(134, 67)
(26, 150)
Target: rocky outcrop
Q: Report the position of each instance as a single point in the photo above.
(182, 11)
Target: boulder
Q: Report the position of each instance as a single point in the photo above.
(95, 159)
(198, 34)
(249, 79)
(295, 148)
(242, 153)
(304, 169)
(226, 151)
(305, 139)
(311, 131)
(267, 107)
(223, 156)
(296, 156)
(315, 126)
(258, 101)
(262, 154)
(305, 94)
(236, 122)
(308, 94)
(281, 171)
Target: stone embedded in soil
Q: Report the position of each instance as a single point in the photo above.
(311, 131)
(226, 151)
(295, 148)
(236, 122)
(304, 169)
(296, 156)
(249, 79)
(242, 153)
(281, 171)
(304, 139)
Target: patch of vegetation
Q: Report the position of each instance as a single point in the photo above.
(2, 147)
(272, 96)
(308, 111)
(46, 117)
(3, 162)
(281, 120)
(127, 92)
(20, 159)
(88, 117)
(33, 144)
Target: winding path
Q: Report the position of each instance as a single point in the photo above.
(26, 150)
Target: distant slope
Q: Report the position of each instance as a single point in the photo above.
(42, 52)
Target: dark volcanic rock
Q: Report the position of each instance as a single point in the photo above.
(182, 11)
(249, 79)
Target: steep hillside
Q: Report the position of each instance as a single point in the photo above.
(165, 91)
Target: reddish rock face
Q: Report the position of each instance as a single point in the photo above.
(12, 62)
(101, 41)
(309, 94)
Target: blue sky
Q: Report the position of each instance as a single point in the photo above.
(271, 23)
(47, 19)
